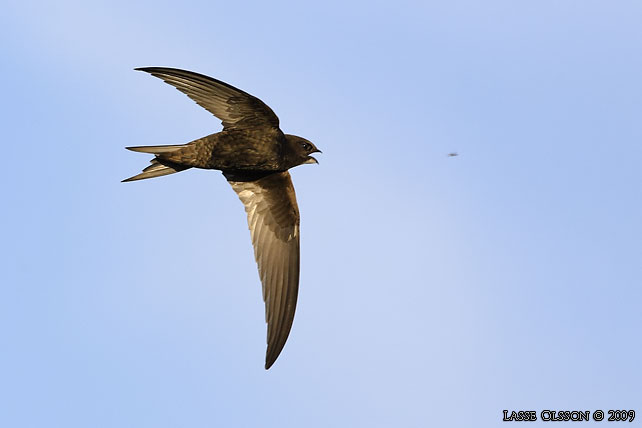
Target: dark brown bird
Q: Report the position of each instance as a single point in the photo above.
(254, 156)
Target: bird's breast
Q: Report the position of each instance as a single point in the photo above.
(244, 151)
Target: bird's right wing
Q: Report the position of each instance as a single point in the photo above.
(236, 109)
(273, 219)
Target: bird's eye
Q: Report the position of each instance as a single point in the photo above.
(306, 146)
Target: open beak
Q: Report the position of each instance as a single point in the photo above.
(311, 160)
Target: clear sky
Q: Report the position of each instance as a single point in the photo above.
(435, 290)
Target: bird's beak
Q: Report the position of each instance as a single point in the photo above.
(311, 160)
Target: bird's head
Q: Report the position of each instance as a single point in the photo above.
(300, 150)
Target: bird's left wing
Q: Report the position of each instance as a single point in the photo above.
(236, 109)
(273, 219)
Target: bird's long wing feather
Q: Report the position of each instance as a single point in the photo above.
(236, 109)
(273, 219)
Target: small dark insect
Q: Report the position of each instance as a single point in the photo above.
(453, 154)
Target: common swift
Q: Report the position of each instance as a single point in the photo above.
(254, 156)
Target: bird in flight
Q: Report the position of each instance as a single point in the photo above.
(254, 155)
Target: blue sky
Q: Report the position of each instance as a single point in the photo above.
(435, 291)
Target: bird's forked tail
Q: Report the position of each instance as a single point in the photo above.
(160, 166)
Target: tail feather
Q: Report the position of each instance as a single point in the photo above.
(157, 169)
(159, 166)
(157, 150)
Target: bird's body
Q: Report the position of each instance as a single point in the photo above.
(231, 151)
(254, 156)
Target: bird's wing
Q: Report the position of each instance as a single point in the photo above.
(236, 109)
(273, 219)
